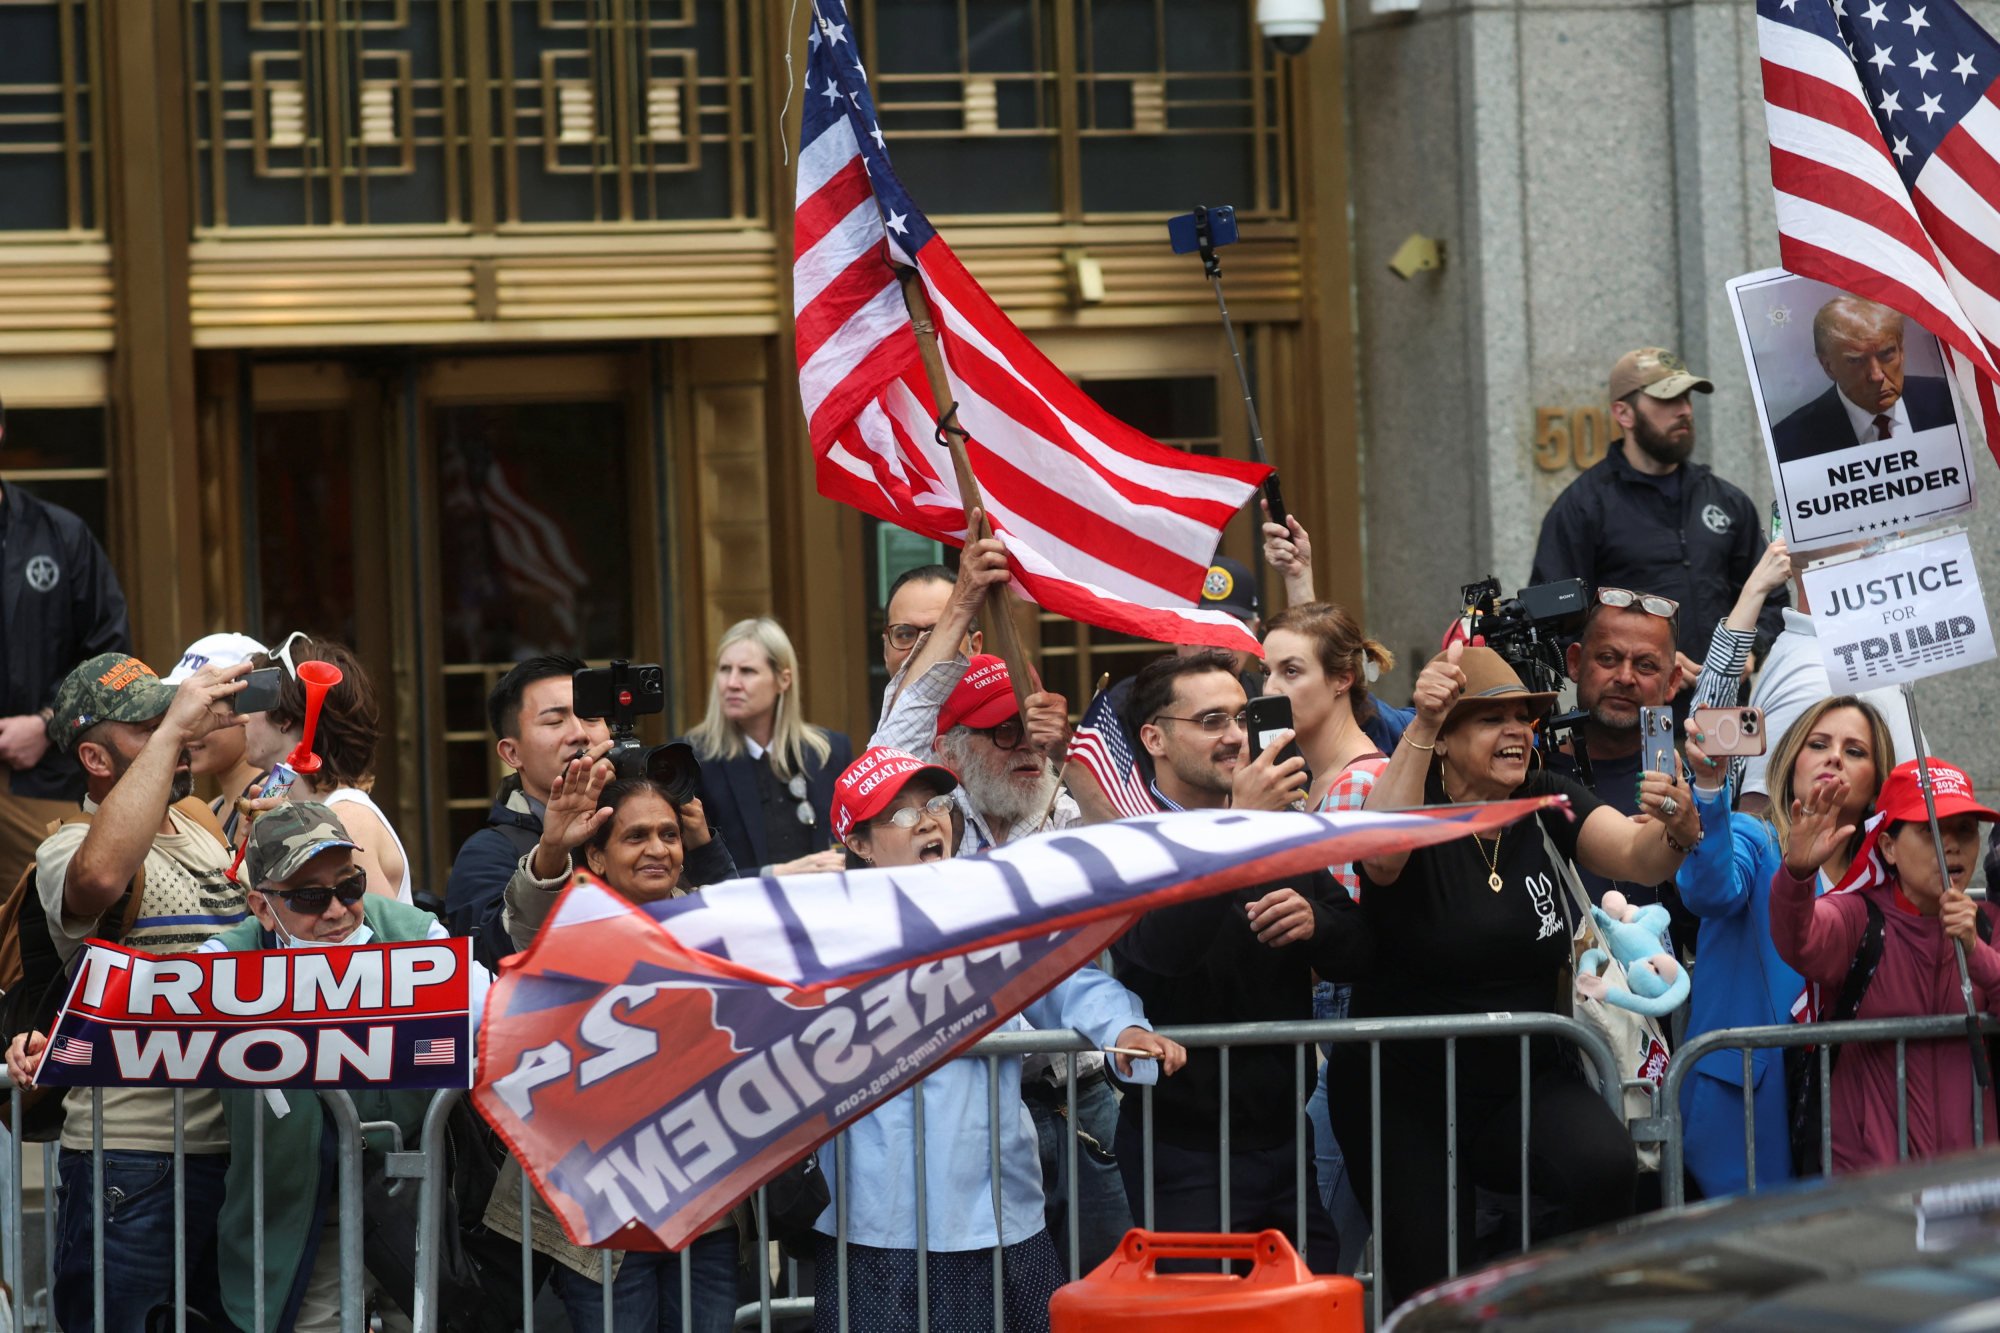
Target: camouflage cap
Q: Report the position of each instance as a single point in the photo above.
(110, 687)
(284, 839)
(1656, 370)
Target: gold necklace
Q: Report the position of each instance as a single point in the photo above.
(1493, 866)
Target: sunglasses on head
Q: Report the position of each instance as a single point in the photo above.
(283, 652)
(350, 889)
(1651, 603)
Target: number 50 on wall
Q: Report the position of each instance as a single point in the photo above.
(1571, 436)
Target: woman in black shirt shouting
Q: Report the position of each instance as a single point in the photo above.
(1480, 926)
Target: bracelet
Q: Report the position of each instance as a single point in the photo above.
(1418, 745)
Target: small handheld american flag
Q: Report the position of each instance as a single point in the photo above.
(1101, 745)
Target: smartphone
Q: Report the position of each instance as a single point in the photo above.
(260, 691)
(1656, 740)
(1186, 237)
(1730, 731)
(1264, 717)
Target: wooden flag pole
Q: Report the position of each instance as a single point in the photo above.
(998, 623)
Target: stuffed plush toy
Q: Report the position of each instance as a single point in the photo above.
(1657, 983)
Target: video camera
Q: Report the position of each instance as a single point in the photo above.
(1531, 630)
(621, 694)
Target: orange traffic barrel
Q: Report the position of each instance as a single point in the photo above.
(1126, 1291)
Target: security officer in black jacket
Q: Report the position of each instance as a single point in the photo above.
(1649, 519)
(60, 604)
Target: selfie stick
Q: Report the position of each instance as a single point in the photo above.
(1205, 239)
(1979, 1064)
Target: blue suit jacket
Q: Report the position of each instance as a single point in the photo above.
(729, 798)
(1822, 426)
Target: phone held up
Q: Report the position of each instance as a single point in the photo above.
(260, 691)
(1729, 732)
(1656, 740)
(1264, 717)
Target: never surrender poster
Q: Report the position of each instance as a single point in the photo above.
(652, 1066)
(370, 1016)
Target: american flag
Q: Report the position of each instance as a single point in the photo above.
(1885, 156)
(436, 1051)
(70, 1051)
(1101, 524)
(1101, 745)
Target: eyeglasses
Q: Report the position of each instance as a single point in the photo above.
(283, 651)
(904, 637)
(1008, 735)
(1651, 603)
(1214, 722)
(804, 809)
(912, 815)
(312, 902)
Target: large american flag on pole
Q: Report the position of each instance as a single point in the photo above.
(1101, 524)
(1885, 156)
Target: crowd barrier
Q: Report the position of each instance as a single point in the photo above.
(1665, 1126)
(423, 1165)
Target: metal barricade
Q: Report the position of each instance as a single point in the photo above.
(28, 1313)
(1668, 1128)
(1301, 1036)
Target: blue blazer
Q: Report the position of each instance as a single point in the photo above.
(1739, 981)
(729, 799)
(1822, 425)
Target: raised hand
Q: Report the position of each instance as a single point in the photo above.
(1816, 828)
(1708, 773)
(573, 815)
(1438, 688)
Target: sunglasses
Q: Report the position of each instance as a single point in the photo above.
(912, 815)
(283, 652)
(1214, 722)
(312, 902)
(1008, 735)
(804, 809)
(1651, 603)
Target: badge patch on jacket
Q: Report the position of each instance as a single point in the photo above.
(43, 573)
(1715, 518)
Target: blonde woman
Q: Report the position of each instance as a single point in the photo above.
(767, 774)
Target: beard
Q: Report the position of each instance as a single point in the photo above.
(1601, 714)
(1002, 797)
(183, 787)
(1661, 448)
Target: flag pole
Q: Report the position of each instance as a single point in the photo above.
(1979, 1062)
(993, 613)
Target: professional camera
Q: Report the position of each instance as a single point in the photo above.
(1290, 25)
(621, 694)
(1531, 631)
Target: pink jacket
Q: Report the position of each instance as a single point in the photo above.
(1818, 935)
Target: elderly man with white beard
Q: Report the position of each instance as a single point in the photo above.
(962, 713)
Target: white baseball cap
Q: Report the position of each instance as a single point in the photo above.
(216, 650)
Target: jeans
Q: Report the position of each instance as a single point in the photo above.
(646, 1294)
(138, 1237)
(1103, 1217)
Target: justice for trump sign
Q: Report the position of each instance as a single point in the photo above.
(371, 1016)
(1912, 611)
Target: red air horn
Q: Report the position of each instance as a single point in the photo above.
(318, 678)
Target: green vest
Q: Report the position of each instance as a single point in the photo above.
(292, 1146)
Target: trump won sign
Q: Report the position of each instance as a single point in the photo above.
(371, 1016)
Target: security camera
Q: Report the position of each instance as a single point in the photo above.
(1290, 25)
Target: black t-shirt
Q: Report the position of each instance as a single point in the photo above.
(1446, 943)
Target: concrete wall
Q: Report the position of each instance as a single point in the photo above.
(1596, 171)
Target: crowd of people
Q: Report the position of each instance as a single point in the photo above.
(1797, 884)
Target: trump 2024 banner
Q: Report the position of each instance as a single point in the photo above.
(652, 1066)
(370, 1016)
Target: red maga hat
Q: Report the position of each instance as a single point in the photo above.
(1902, 795)
(874, 780)
(984, 697)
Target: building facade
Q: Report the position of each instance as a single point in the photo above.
(459, 329)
